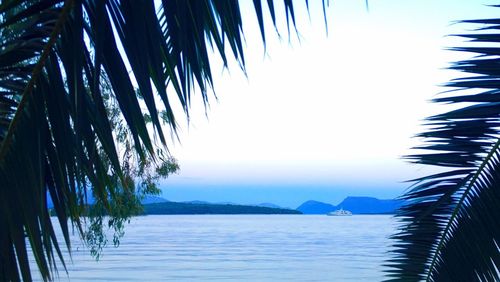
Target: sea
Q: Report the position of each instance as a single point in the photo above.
(240, 248)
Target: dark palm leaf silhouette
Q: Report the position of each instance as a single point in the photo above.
(451, 225)
(53, 121)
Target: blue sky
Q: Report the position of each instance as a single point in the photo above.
(323, 117)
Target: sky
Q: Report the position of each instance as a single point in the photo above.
(322, 116)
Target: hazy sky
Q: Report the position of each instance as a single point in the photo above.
(326, 117)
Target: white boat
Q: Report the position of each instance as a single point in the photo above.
(340, 212)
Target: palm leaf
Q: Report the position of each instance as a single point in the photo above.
(55, 132)
(450, 227)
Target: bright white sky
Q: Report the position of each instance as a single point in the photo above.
(326, 117)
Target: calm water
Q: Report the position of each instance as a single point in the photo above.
(241, 248)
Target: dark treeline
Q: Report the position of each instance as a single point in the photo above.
(188, 208)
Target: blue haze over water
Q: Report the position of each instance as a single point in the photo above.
(241, 248)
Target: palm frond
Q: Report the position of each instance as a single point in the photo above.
(55, 132)
(450, 227)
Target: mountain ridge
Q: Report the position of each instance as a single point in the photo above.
(357, 205)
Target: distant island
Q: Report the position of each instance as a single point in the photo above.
(207, 208)
(357, 205)
(158, 205)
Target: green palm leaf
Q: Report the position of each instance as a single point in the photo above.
(450, 227)
(55, 131)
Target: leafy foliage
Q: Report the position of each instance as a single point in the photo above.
(142, 175)
(450, 229)
(55, 131)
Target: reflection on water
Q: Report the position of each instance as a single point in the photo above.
(241, 248)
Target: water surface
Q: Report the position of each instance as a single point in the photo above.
(241, 248)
